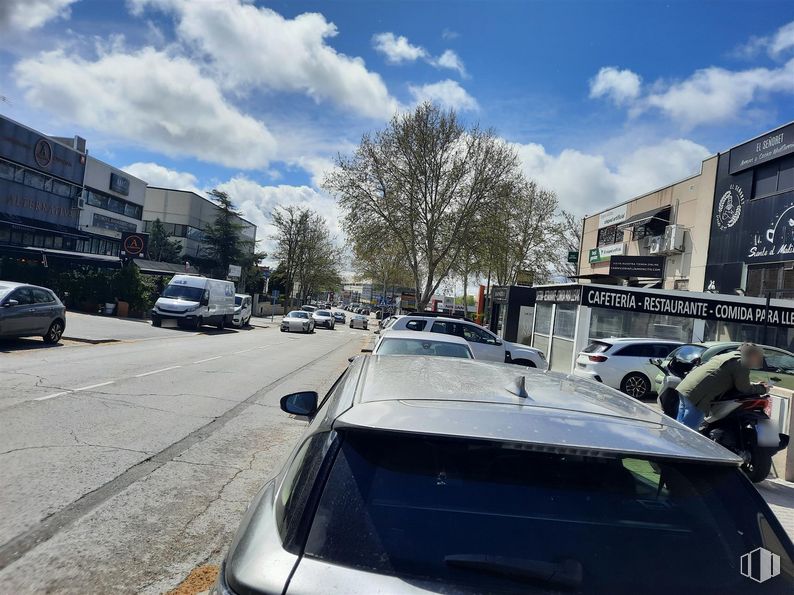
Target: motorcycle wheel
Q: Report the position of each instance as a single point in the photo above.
(757, 469)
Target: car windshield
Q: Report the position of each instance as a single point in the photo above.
(422, 347)
(183, 292)
(5, 290)
(475, 514)
(238, 301)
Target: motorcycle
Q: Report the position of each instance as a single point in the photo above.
(741, 423)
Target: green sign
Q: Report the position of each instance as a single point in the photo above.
(603, 253)
(573, 257)
(593, 256)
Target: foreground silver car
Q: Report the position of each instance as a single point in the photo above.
(480, 477)
(29, 311)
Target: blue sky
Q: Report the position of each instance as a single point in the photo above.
(603, 100)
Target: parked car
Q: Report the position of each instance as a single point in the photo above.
(29, 311)
(484, 344)
(426, 475)
(324, 318)
(623, 363)
(422, 343)
(298, 320)
(359, 321)
(339, 316)
(243, 308)
(778, 368)
(309, 308)
(195, 301)
(385, 323)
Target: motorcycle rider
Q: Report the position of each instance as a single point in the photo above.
(722, 373)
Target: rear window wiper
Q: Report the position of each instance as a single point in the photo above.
(567, 573)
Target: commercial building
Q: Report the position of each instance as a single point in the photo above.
(57, 202)
(665, 233)
(185, 215)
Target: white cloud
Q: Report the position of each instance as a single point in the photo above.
(449, 59)
(585, 183)
(256, 203)
(621, 86)
(397, 49)
(252, 47)
(155, 174)
(775, 45)
(26, 15)
(717, 95)
(449, 35)
(447, 93)
(156, 100)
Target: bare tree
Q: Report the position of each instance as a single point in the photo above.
(569, 230)
(421, 181)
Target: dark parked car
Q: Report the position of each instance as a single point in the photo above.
(29, 310)
(479, 477)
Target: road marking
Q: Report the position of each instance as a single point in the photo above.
(75, 390)
(209, 359)
(243, 351)
(156, 371)
(52, 396)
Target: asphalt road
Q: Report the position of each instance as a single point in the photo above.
(125, 465)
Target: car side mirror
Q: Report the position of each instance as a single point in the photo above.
(696, 362)
(656, 361)
(303, 403)
(204, 301)
(11, 303)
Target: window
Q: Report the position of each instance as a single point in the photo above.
(475, 334)
(38, 240)
(5, 234)
(23, 296)
(778, 361)
(61, 189)
(416, 325)
(446, 327)
(609, 235)
(7, 170)
(422, 347)
(774, 177)
(565, 321)
(111, 203)
(42, 296)
(638, 350)
(297, 486)
(596, 347)
(688, 353)
(48, 241)
(34, 180)
(57, 242)
(440, 510)
(543, 318)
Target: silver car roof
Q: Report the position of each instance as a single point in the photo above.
(480, 400)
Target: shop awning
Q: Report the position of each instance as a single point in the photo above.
(154, 267)
(45, 254)
(662, 215)
(27, 223)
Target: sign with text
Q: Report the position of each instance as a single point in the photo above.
(235, 270)
(637, 266)
(32, 203)
(134, 244)
(762, 149)
(573, 257)
(688, 307)
(604, 253)
(119, 184)
(524, 278)
(29, 148)
(499, 295)
(612, 216)
(564, 293)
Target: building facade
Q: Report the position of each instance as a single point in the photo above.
(185, 215)
(671, 223)
(58, 201)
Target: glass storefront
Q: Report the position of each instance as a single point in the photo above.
(620, 323)
(774, 336)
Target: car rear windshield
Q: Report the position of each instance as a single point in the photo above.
(323, 313)
(489, 517)
(422, 347)
(297, 314)
(183, 292)
(597, 347)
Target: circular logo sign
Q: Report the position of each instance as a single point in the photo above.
(43, 153)
(133, 245)
(729, 208)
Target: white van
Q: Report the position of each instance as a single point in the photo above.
(243, 309)
(195, 301)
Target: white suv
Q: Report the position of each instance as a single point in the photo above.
(483, 342)
(623, 363)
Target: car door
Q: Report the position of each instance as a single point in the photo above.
(484, 344)
(17, 320)
(778, 369)
(43, 310)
